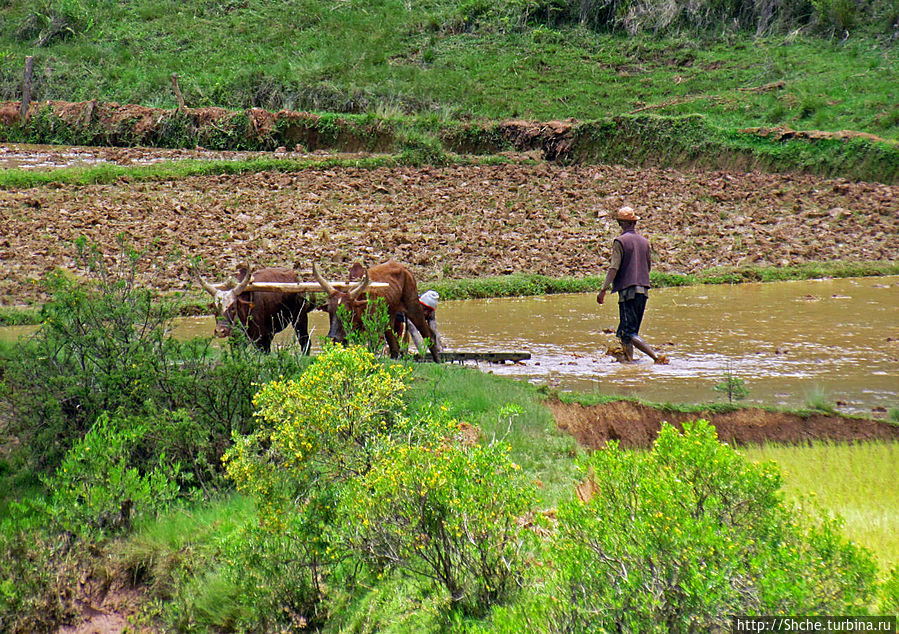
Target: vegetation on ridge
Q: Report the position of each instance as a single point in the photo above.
(822, 64)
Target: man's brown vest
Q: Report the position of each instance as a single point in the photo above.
(635, 262)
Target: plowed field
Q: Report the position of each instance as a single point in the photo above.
(451, 222)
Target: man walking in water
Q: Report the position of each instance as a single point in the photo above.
(629, 277)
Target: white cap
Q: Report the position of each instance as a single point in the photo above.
(430, 299)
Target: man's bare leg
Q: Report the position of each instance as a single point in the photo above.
(645, 348)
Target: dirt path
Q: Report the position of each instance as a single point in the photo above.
(637, 426)
(451, 222)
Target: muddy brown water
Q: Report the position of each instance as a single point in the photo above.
(792, 343)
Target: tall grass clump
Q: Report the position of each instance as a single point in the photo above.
(758, 17)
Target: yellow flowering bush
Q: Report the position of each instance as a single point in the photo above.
(317, 430)
(679, 538)
(316, 433)
(344, 481)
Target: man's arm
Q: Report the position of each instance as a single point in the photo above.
(610, 277)
(417, 338)
(617, 252)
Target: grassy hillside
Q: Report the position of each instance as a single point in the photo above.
(822, 65)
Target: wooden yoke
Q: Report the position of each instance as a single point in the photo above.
(306, 287)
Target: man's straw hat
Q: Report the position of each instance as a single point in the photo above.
(626, 213)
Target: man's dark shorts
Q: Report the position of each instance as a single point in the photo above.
(630, 316)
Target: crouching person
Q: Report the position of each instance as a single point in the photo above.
(403, 327)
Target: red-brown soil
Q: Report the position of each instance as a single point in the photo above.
(636, 426)
(455, 222)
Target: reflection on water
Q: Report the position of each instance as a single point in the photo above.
(789, 341)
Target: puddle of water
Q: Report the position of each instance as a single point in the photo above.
(789, 341)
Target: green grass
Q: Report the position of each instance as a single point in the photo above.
(430, 77)
(176, 170)
(819, 400)
(390, 56)
(522, 285)
(505, 410)
(857, 482)
(179, 551)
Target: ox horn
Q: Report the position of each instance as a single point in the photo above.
(242, 285)
(212, 290)
(355, 292)
(322, 281)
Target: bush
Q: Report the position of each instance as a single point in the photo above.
(46, 544)
(374, 322)
(319, 431)
(677, 539)
(104, 346)
(96, 489)
(346, 482)
(447, 513)
(99, 348)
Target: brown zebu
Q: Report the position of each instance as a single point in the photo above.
(400, 296)
(261, 314)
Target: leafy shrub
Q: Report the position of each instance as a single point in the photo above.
(96, 489)
(321, 428)
(105, 346)
(447, 513)
(46, 543)
(99, 348)
(345, 480)
(375, 321)
(282, 573)
(676, 539)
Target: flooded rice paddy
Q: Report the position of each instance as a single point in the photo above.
(835, 341)
(792, 343)
(50, 157)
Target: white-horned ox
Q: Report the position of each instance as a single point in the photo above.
(261, 314)
(400, 296)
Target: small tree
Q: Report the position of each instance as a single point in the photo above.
(99, 485)
(733, 386)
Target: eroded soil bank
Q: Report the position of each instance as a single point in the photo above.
(450, 222)
(634, 139)
(636, 426)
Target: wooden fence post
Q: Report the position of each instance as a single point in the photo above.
(177, 90)
(26, 87)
